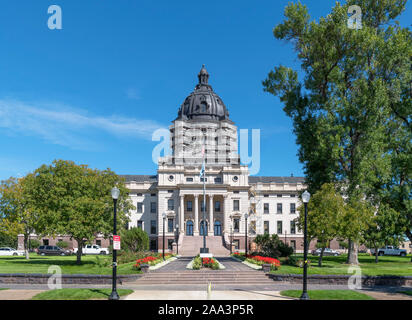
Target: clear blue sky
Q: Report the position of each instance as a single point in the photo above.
(94, 91)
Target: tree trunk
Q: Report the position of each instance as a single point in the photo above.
(353, 255)
(80, 243)
(376, 254)
(26, 246)
(320, 257)
(349, 250)
(409, 235)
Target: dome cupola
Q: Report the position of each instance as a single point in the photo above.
(203, 103)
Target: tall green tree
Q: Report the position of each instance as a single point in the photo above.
(354, 83)
(75, 200)
(325, 213)
(17, 213)
(135, 239)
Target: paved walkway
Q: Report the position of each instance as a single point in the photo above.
(11, 294)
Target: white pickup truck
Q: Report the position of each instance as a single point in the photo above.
(390, 251)
(92, 249)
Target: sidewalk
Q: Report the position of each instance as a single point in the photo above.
(202, 295)
(12, 294)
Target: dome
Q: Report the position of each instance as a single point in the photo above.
(203, 103)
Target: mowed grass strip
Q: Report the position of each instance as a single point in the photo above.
(78, 294)
(40, 264)
(387, 265)
(328, 294)
(408, 292)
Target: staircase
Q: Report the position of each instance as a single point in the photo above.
(191, 277)
(191, 246)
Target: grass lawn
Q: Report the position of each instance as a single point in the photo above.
(78, 294)
(328, 294)
(40, 264)
(387, 265)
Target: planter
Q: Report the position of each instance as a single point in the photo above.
(266, 267)
(144, 267)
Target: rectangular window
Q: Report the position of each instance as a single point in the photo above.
(201, 179)
(265, 226)
(266, 195)
(170, 204)
(292, 227)
(170, 244)
(153, 194)
(217, 206)
(170, 191)
(293, 208)
(189, 206)
(236, 205)
(140, 224)
(153, 226)
(236, 243)
(189, 179)
(266, 208)
(46, 242)
(293, 195)
(279, 208)
(139, 207)
(99, 243)
(169, 225)
(293, 244)
(236, 224)
(139, 194)
(152, 207)
(218, 180)
(279, 229)
(153, 244)
(279, 195)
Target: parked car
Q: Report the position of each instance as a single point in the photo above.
(53, 251)
(93, 249)
(390, 251)
(326, 252)
(7, 251)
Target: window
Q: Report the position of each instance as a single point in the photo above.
(293, 195)
(153, 194)
(266, 195)
(99, 243)
(139, 207)
(265, 226)
(279, 195)
(236, 205)
(292, 227)
(236, 191)
(170, 191)
(293, 208)
(153, 207)
(236, 225)
(139, 194)
(153, 244)
(202, 206)
(189, 206)
(293, 244)
(153, 226)
(279, 229)
(169, 225)
(217, 206)
(279, 208)
(170, 244)
(46, 242)
(189, 179)
(170, 204)
(201, 179)
(140, 224)
(236, 243)
(218, 180)
(266, 208)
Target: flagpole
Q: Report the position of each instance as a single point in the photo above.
(203, 171)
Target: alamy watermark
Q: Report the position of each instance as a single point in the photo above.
(355, 281)
(55, 20)
(355, 20)
(55, 280)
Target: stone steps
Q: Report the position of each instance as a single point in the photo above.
(191, 245)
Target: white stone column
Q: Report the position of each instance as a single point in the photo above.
(211, 208)
(196, 226)
(225, 212)
(182, 214)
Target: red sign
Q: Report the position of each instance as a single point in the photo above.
(116, 242)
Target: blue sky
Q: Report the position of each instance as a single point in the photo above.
(94, 91)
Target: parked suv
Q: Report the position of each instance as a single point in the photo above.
(327, 252)
(53, 251)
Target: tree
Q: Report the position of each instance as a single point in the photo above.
(17, 213)
(75, 200)
(135, 239)
(383, 229)
(355, 82)
(271, 246)
(325, 212)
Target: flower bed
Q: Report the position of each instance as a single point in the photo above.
(258, 260)
(198, 263)
(151, 260)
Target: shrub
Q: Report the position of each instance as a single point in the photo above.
(102, 262)
(62, 244)
(34, 244)
(135, 239)
(197, 263)
(271, 246)
(291, 261)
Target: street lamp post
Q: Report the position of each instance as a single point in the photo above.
(177, 238)
(231, 237)
(164, 220)
(246, 244)
(114, 295)
(304, 296)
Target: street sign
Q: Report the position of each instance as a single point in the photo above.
(116, 242)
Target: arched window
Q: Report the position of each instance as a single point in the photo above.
(218, 228)
(189, 228)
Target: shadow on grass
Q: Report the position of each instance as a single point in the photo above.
(47, 261)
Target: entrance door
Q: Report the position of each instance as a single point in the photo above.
(203, 228)
(189, 228)
(218, 228)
